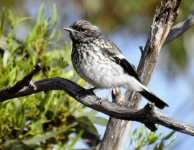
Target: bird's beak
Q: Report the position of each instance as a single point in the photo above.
(69, 29)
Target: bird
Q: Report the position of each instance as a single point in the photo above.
(101, 63)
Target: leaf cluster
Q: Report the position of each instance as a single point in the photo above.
(48, 119)
(143, 139)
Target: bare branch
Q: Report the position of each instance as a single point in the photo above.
(180, 28)
(165, 16)
(147, 115)
(26, 81)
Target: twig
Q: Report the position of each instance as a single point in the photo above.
(180, 28)
(164, 18)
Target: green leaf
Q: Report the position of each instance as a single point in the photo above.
(24, 65)
(86, 124)
(52, 36)
(42, 138)
(141, 131)
(21, 20)
(152, 139)
(161, 145)
(54, 14)
(67, 53)
(99, 120)
(74, 140)
(90, 114)
(6, 56)
(40, 12)
(15, 145)
(69, 74)
(2, 21)
(168, 136)
(172, 141)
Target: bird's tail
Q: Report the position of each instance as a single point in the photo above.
(153, 98)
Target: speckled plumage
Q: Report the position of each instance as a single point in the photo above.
(98, 69)
(98, 60)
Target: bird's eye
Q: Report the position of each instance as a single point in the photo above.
(82, 29)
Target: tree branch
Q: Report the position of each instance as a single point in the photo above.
(165, 16)
(26, 81)
(180, 28)
(148, 115)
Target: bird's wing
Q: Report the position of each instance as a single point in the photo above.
(128, 67)
(112, 51)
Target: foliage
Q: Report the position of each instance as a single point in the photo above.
(143, 139)
(46, 119)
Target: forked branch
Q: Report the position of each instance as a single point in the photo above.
(148, 115)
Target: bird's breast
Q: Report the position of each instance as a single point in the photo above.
(96, 68)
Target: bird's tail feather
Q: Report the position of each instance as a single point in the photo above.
(153, 98)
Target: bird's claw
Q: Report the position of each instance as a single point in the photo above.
(91, 91)
(99, 100)
(87, 91)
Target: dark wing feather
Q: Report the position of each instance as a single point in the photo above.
(116, 55)
(127, 67)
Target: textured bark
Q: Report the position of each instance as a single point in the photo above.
(164, 19)
(181, 27)
(148, 115)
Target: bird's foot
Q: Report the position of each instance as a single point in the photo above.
(87, 91)
(91, 90)
(99, 101)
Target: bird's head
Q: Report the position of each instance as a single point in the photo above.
(83, 31)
